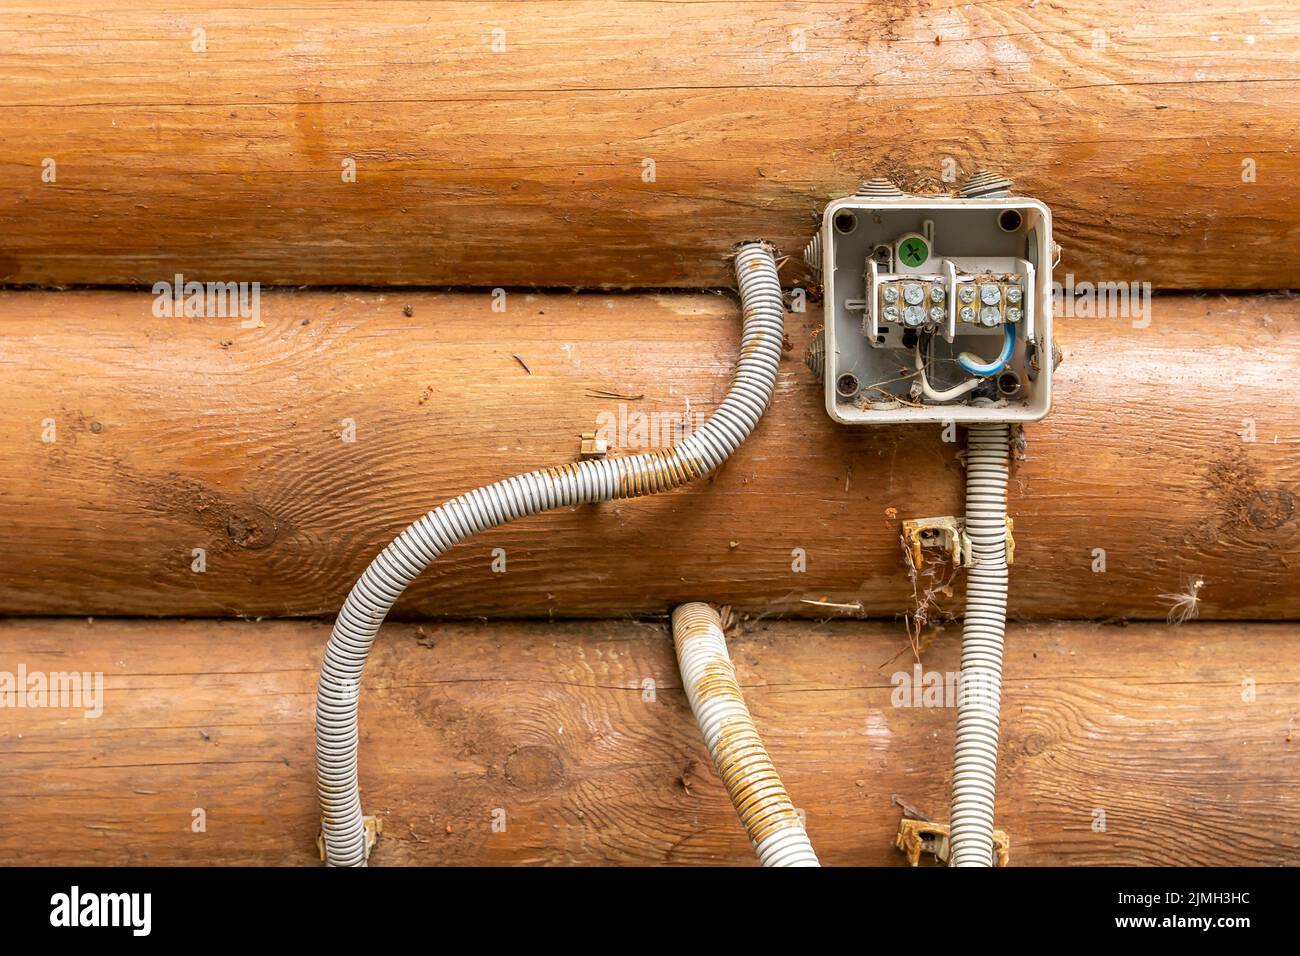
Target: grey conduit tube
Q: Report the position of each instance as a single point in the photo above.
(769, 816)
(565, 485)
(975, 762)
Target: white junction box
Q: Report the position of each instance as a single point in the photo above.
(938, 309)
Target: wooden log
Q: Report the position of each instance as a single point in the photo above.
(199, 468)
(1138, 746)
(503, 143)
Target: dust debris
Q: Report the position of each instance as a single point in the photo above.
(1186, 604)
(927, 588)
(684, 778)
(606, 393)
(730, 621)
(853, 606)
(1019, 442)
(909, 810)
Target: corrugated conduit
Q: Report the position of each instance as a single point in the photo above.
(570, 484)
(975, 763)
(756, 791)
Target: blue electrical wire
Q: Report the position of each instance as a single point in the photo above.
(968, 363)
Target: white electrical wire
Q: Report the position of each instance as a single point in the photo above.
(565, 485)
(945, 395)
(975, 762)
(756, 791)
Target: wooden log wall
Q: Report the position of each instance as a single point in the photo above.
(504, 143)
(1139, 745)
(154, 468)
(169, 436)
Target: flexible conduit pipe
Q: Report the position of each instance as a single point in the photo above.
(769, 816)
(563, 486)
(976, 753)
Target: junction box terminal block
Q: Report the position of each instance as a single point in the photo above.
(937, 309)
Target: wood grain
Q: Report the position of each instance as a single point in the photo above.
(552, 724)
(525, 166)
(180, 434)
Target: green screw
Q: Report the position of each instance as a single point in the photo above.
(913, 252)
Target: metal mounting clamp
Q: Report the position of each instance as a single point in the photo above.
(947, 532)
(924, 836)
(374, 826)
